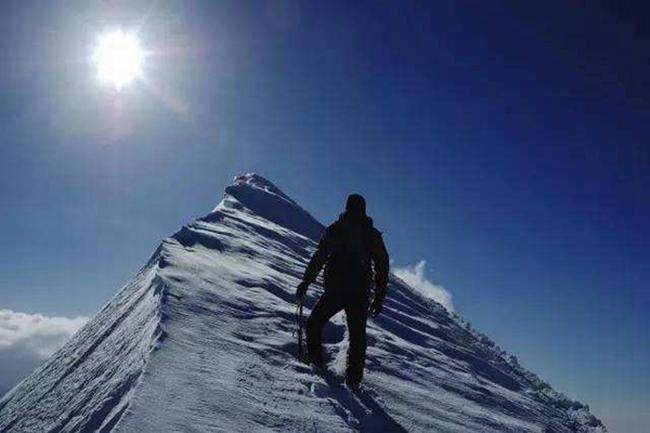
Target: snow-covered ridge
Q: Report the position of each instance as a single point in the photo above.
(87, 384)
(201, 339)
(255, 181)
(258, 195)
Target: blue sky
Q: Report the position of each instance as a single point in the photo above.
(506, 145)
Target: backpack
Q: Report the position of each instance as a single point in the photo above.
(349, 261)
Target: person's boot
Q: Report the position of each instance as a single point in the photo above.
(353, 378)
(353, 383)
(316, 361)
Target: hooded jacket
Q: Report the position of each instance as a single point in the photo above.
(348, 249)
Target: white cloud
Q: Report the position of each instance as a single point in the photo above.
(414, 277)
(26, 340)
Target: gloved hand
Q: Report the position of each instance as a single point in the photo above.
(302, 290)
(376, 306)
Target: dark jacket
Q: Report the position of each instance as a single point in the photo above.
(347, 249)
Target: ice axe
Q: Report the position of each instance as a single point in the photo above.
(299, 319)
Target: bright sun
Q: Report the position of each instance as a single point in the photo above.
(119, 58)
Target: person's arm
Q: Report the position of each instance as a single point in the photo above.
(379, 256)
(318, 260)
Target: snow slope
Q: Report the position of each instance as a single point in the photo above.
(201, 340)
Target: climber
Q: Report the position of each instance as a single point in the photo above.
(347, 249)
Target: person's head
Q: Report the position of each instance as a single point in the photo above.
(356, 205)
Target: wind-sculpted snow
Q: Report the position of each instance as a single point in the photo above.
(216, 305)
(265, 199)
(86, 385)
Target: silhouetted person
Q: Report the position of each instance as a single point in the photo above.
(347, 249)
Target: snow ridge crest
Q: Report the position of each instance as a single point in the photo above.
(254, 180)
(261, 197)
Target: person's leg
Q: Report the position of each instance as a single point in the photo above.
(327, 306)
(356, 311)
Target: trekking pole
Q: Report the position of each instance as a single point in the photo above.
(299, 319)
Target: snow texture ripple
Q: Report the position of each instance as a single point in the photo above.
(202, 340)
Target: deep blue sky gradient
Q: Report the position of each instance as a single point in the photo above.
(506, 145)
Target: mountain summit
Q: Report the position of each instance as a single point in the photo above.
(202, 339)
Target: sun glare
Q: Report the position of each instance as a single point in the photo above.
(119, 58)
